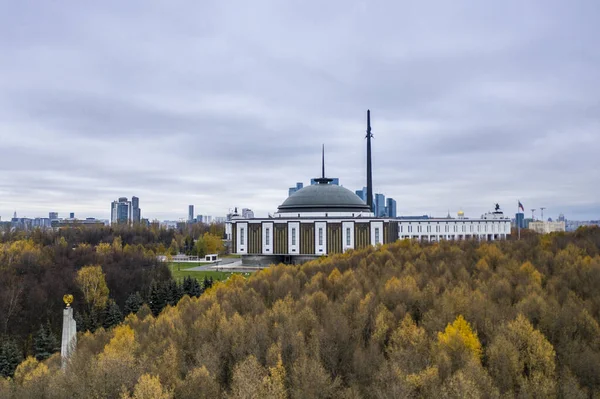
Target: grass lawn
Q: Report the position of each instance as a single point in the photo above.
(181, 270)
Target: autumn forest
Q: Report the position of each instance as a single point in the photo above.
(511, 319)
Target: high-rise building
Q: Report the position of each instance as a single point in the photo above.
(292, 190)
(136, 210)
(247, 213)
(53, 215)
(390, 208)
(362, 194)
(121, 211)
(72, 215)
(380, 205)
(190, 213)
(520, 220)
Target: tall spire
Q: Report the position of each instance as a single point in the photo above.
(323, 162)
(323, 179)
(369, 170)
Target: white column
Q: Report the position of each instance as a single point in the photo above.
(347, 227)
(242, 238)
(376, 226)
(294, 238)
(69, 336)
(267, 238)
(321, 245)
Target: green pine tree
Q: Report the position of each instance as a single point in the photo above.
(133, 303)
(112, 314)
(80, 321)
(207, 283)
(187, 285)
(10, 357)
(45, 343)
(174, 292)
(196, 289)
(157, 299)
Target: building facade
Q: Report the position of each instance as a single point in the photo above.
(124, 211)
(292, 190)
(520, 220)
(326, 219)
(390, 208)
(380, 205)
(541, 227)
(136, 210)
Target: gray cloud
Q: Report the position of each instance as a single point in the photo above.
(225, 104)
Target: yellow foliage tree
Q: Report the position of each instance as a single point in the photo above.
(29, 371)
(522, 359)
(460, 343)
(214, 244)
(116, 365)
(247, 380)
(93, 285)
(122, 345)
(198, 384)
(103, 248)
(530, 274)
(409, 346)
(148, 387)
(274, 383)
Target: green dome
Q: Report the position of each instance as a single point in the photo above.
(323, 198)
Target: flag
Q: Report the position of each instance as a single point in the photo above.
(521, 206)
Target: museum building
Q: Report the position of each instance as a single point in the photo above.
(324, 219)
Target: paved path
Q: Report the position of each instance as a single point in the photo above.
(227, 265)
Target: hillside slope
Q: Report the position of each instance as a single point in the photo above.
(403, 320)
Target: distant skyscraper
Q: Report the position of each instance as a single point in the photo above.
(362, 194)
(247, 213)
(53, 215)
(292, 190)
(391, 208)
(190, 213)
(520, 220)
(380, 205)
(136, 215)
(122, 211)
(72, 215)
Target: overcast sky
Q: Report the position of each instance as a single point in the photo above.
(226, 103)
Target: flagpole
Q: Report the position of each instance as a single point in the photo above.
(518, 224)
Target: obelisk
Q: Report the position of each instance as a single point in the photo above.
(369, 170)
(69, 331)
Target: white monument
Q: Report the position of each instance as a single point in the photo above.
(69, 331)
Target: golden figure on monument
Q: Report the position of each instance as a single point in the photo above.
(68, 299)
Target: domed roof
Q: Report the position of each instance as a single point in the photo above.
(323, 198)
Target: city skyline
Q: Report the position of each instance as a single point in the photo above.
(476, 104)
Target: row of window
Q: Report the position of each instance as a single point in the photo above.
(455, 228)
(348, 232)
(268, 236)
